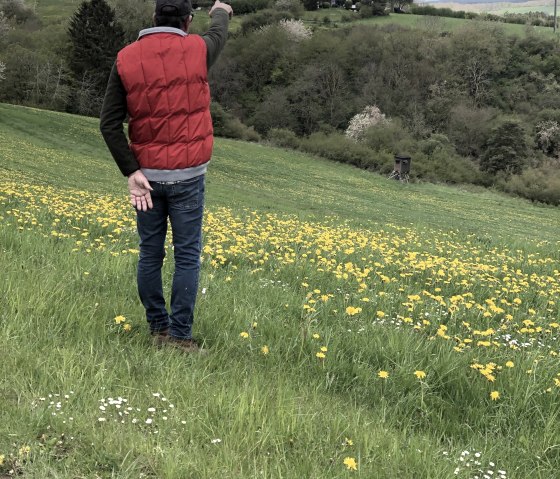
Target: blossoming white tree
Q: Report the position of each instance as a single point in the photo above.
(370, 116)
(548, 136)
(296, 29)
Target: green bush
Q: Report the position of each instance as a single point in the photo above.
(537, 184)
(391, 136)
(241, 7)
(283, 138)
(443, 165)
(337, 147)
(506, 149)
(262, 18)
(228, 126)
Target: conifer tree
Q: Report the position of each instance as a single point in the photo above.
(95, 39)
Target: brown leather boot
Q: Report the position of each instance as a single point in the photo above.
(159, 336)
(188, 346)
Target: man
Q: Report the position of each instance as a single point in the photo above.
(161, 82)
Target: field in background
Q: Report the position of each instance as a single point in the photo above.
(546, 6)
(335, 16)
(357, 326)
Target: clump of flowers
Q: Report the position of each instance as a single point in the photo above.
(121, 320)
(471, 464)
(370, 116)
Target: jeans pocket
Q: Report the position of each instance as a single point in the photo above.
(186, 194)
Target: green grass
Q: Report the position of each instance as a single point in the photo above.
(279, 225)
(335, 16)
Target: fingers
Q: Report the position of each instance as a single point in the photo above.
(142, 203)
(149, 201)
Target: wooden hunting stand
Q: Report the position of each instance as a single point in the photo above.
(401, 168)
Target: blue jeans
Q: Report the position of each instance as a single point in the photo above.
(183, 203)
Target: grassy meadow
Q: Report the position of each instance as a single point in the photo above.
(357, 327)
(424, 22)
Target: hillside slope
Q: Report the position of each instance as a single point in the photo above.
(356, 326)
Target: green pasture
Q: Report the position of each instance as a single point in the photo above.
(68, 369)
(335, 16)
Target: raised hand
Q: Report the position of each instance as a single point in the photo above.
(223, 5)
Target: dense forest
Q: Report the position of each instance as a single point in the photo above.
(471, 105)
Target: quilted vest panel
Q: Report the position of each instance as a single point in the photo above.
(168, 98)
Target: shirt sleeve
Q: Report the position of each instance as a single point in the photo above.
(113, 114)
(216, 36)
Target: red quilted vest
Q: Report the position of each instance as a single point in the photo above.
(165, 76)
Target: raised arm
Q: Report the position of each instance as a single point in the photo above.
(216, 36)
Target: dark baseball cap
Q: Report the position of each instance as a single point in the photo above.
(173, 8)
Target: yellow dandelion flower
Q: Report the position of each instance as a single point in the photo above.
(494, 395)
(265, 350)
(255, 324)
(127, 327)
(24, 450)
(324, 349)
(120, 319)
(420, 374)
(383, 374)
(2, 460)
(350, 463)
(244, 334)
(320, 355)
(348, 442)
(510, 364)
(380, 314)
(316, 336)
(351, 310)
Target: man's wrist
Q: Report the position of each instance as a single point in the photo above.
(218, 9)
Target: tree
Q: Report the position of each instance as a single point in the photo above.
(361, 122)
(478, 57)
(95, 38)
(2, 71)
(133, 16)
(4, 26)
(399, 5)
(310, 5)
(295, 7)
(506, 149)
(17, 10)
(379, 8)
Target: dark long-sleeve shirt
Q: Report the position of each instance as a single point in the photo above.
(114, 110)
